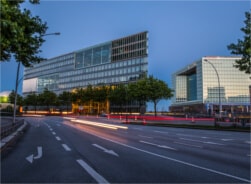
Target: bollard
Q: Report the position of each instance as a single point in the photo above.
(193, 120)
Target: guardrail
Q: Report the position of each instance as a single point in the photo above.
(7, 130)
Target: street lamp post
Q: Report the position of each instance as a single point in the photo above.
(220, 106)
(17, 81)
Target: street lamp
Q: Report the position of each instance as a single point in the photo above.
(18, 80)
(56, 33)
(220, 107)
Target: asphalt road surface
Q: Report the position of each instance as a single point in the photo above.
(97, 150)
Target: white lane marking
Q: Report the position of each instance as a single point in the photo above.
(208, 142)
(66, 147)
(248, 142)
(187, 135)
(209, 133)
(145, 136)
(92, 172)
(58, 138)
(174, 160)
(226, 139)
(161, 132)
(215, 143)
(111, 152)
(204, 137)
(160, 146)
(54, 133)
(51, 129)
(188, 144)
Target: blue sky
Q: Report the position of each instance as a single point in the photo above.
(180, 32)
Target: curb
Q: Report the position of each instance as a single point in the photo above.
(190, 126)
(5, 142)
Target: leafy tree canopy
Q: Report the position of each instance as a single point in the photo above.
(21, 33)
(243, 47)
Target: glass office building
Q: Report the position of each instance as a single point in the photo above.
(122, 60)
(197, 89)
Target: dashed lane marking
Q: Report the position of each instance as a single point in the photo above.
(66, 147)
(92, 172)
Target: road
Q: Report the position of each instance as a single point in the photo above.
(97, 150)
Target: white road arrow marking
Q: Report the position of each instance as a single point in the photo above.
(160, 146)
(111, 152)
(30, 158)
(39, 155)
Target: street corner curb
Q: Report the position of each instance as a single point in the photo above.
(7, 141)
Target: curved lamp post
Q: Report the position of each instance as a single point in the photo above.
(220, 107)
(17, 80)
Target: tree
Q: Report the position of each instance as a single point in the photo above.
(243, 47)
(48, 98)
(78, 96)
(137, 91)
(65, 98)
(157, 90)
(31, 99)
(21, 33)
(117, 95)
(151, 89)
(12, 98)
(100, 95)
(89, 96)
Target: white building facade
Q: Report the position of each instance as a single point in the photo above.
(197, 88)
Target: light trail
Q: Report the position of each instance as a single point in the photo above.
(92, 123)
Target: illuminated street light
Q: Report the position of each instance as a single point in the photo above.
(18, 80)
(220, 107)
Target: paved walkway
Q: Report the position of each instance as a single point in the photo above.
(9, 131)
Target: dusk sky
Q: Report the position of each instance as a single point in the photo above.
(180, 32)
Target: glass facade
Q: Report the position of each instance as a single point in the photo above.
(93, 56)
(191, 87)
(93, 65)
(197, 84)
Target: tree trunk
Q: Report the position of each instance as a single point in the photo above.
(155, 108)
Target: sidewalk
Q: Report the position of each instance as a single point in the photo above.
(11, 132)
(202, 123)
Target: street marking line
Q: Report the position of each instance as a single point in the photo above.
(204, 137)
(208, 142)
(111, 152)
(248, 142)
(188, 144)
(58, 138)
(66, 147)
(54, 133)
(174, 160)
(145, 136)
(160, 132)
(227, 139)
(160, 146)
(92, 172)
(213, 143)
